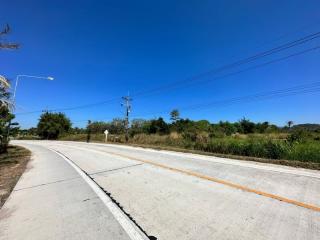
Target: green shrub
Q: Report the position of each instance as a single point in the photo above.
(308, 152)
(246, 147)
(255, 145)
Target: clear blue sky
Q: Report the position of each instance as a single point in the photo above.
(97, 50)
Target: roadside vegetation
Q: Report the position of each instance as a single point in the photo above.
(13, 159)
(298, 145)
(53, 125)
(7, 127)
(12, 165)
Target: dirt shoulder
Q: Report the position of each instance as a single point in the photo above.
(12, 165)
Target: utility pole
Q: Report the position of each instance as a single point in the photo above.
(88, 131)
(127, 104)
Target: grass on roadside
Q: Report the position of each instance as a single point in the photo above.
(12, 165)
(265, 149)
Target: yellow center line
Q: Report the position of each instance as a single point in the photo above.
(230, 184)
(212, 179)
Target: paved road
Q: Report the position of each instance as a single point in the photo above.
(170, 195)
(55, 200)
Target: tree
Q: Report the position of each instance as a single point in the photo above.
(158, 126)
(262, 127)
(5, 127)
(182, 125)
(98, 127)
(52, 125)
(289, 124)
(139, 126)
(246, 126)
(117, 126)
(4, 93)
(175, 115)
(5, 115)
(227, 128)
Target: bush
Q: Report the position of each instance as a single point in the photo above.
(308, 152)
(52, 125)
(255, 148)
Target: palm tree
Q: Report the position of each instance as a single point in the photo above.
(4, 94)
(4, 81)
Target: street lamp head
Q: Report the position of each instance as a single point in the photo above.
(50, 78)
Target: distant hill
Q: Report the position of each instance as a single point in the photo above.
(307, 127)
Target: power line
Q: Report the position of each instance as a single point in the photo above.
(213, 71)
(292, 91)
(297, 90)
(201, 81)
(257, 56)
(75, 107)
(249, 68)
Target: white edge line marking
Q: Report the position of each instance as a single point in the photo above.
(131, 229)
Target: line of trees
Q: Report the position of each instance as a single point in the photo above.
(54, 125)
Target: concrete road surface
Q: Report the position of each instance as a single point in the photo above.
(168, 195)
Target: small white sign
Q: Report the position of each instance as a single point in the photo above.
(106, 132)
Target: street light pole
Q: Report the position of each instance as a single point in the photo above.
(26, 76)
(15, 91)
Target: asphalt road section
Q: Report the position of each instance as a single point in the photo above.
(174, 195)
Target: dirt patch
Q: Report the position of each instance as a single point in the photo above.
(12, 165)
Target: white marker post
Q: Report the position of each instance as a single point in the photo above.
(106, 132)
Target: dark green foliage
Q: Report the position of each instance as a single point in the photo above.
(307, 127)
(246, 126)
(182, 125)
(53, 125)
(7, 127)
(262, 127)
(139, 126)
(228, 128)
(5, 123)
(175, 115)
(97, 127)
(158, 126)
(298, 136)
(77, 130)
(116, 126)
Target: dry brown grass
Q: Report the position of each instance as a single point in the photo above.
(12, 165)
